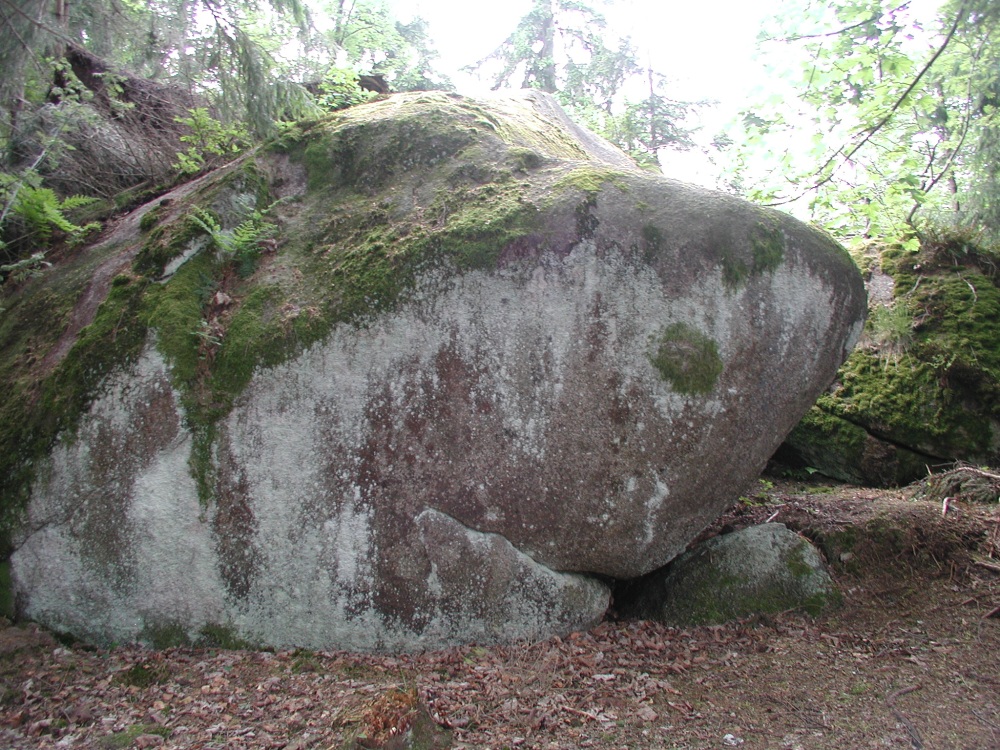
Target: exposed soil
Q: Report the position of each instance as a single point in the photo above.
(911, 660)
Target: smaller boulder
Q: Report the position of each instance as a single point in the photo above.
(759, 570)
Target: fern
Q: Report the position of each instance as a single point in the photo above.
(241, 244)
(42, 211)
(23, 269)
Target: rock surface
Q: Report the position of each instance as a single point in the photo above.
(762, 569)
(469, 365)
(923, 387)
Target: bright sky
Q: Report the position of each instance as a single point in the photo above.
(707, 50)
(702, 62)
(707, 61)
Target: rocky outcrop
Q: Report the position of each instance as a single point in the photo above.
(431, 371)
(923, 388)
(759, 570)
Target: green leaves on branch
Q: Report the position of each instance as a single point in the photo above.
(339, 89)
(887, 122)
(212, 142)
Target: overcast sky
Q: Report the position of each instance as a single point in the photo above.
(704, 62)
(713, 63)
(707, 49)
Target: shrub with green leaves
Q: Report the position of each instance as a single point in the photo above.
(211, 141)
(339, 89)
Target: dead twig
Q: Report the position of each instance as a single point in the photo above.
(969, 470)
(578, 712)
(988, 566)
(984, 719)
(915, 739)
(995, 612)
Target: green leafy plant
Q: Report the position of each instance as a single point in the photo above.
(23, 269)
(242, 244)
(339, 89)
(211, 141)
(42, 211)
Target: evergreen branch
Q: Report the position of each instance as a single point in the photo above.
(36, 23)
(20, 39)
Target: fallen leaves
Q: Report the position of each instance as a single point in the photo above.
(777, 681)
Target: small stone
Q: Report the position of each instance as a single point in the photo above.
(647, 714)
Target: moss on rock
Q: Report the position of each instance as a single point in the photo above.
(759, 570)
(928, 390)
(345, 258)
(687, 359)
(35, 411)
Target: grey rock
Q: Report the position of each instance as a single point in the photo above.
(467, 454)
(759, 570)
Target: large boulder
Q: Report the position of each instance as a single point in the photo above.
(433, 370)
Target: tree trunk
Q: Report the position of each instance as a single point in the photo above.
(547, 74)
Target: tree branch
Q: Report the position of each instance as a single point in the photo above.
(871, 132)
(838, 32)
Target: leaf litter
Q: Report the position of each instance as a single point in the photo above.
(911, 660)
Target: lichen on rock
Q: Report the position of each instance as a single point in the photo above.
(482, 365)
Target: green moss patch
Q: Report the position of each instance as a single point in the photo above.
(34, 412)
(226, 637)
(687, 359)
(127, 737)
(926, 374)
(592, 179)
(759, 570)
(767, 244)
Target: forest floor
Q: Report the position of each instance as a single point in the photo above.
(911, 660)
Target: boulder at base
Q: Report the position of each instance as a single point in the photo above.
(430, 371)
(760, 570)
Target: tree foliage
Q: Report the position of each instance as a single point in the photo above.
(100, 96)
(565, 47)
(887, 120)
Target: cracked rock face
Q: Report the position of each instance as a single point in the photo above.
(476, 460)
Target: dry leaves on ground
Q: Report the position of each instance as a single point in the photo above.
(911, 660)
